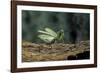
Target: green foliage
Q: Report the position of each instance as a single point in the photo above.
(48, 35)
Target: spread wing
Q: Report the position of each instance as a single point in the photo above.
(48, 35)
(51, 32)
(48, 31)
(46, 38)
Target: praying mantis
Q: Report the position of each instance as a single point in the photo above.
(50, 36)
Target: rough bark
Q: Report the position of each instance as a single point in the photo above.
(54, 52)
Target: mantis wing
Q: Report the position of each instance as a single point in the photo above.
(51, 32)
(46, 38)
(43, 32)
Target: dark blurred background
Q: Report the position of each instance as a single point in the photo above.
(76, 26)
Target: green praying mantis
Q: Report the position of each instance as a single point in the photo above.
(50, 36)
